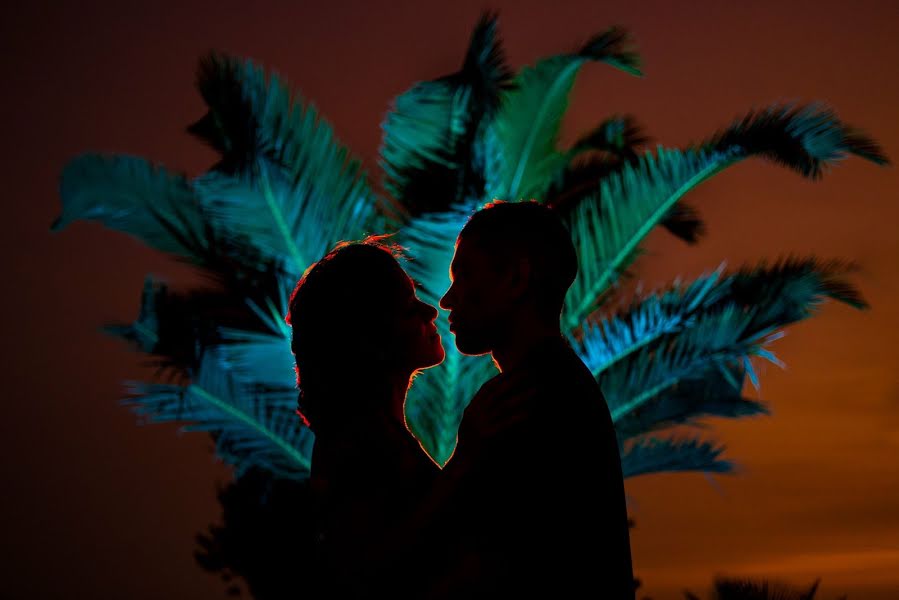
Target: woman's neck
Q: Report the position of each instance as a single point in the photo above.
(373, 401)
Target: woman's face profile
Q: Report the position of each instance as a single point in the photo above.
(412, 332)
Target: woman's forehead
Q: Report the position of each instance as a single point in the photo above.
(398, 282)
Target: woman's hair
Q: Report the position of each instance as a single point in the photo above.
(339, 317)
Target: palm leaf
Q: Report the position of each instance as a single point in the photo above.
(261, 357)
(279, 216)
(293, 135)
(613, 142)
(527, 126)
(783, 293)
(288, 141)
(607, 230)
(639, 196)
(659, 455)
(426, 153)
(605, 341)
(715, 395)
(717, 341)
(582, 178)
(791, 288)
(175, 327)
(619, 135)
(252, 427)
(419, 154)
(805, 138)
(595, 155)
(128, 194)
(684, 354)
(229, 126)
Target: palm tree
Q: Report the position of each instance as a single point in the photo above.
(284, 191)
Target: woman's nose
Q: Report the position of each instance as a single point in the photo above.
(430, 311)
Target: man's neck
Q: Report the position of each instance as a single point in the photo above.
(521, 341)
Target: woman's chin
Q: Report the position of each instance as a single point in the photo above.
(435, 356)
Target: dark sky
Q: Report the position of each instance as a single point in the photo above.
(95, 506)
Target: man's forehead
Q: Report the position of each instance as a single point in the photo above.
(469, 251)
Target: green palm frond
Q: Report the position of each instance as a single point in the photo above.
(805, 138)
(427, 148)
(144, 332)
(607, 230)
(603, 151)
(171, 327)
(685, 353)
(278, 215)
(683, 222)
(781, 294)
(527, 126)
(791, 288)
(253, 427)
(485, 69)
(261, 357)
(688, 401)
(619, 135)
(609, 226)
(287, 139)
(606, 341)
(175, 327)
(660, 455)
(419, 154)
(717, 340)
(127, 193)
(229, 126)
(580, 180)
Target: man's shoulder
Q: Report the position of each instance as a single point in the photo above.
(563, 375)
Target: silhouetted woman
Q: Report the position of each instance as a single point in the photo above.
(360, 335)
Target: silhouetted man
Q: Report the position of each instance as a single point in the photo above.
(537, 497)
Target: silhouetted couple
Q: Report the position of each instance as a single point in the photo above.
(532, 501)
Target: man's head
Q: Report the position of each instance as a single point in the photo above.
(513, 264)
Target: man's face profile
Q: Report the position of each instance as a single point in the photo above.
(475, 299)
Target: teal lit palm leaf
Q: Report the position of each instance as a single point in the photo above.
(284, 191)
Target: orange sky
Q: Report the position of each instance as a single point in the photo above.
(96, 504)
